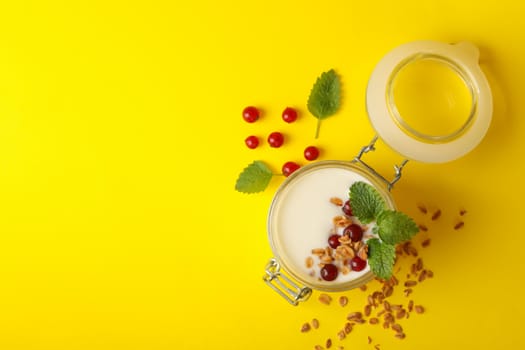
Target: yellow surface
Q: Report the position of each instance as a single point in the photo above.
(121, 138)
(431, 98)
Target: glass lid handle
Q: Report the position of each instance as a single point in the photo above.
(283, 285)
(397, 168)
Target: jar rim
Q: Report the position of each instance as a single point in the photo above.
(449, 64)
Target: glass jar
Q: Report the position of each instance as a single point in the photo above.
(300, 210)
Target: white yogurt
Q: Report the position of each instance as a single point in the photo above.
(301, 219)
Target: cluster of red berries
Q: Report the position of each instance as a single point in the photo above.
(276, 139)
(329, 272)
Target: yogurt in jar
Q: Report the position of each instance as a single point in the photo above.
(301, 219)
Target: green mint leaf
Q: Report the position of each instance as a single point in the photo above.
(381, 258)
(366, 202)
(395, 227)
(254, 178)
(324, 99)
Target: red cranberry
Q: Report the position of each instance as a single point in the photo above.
(347, 209)
(357, 264)
(252, 142)
(289, 115)
(250, 114)
(289, 168)
(311, 153)
(275, 139)
(354, 231)
(333, 241)
(329, 272)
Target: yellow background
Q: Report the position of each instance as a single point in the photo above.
(121, 138)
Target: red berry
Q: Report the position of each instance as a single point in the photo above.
(329, 272)
(252, 142)
(289, 168)
(311, 153)
(347, 209)
(354, 231)
(333, 241)
(250, 114)
(357, 264)
(275, 139)
(289, 115)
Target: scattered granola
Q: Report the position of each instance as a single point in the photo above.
(305, 327)
(459, 225)
(343, 301)
(315, 323)
(328, 343)
(425, 243)
(436, 215)
(325, 299)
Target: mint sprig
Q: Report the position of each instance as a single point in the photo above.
(254, 178)
(392, 226)
(395, 227)
(366, 202)
(325, 96)
(381, 258)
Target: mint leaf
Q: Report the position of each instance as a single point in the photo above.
(395, 227)
(366, 202)
(324, 99)
(254, 178)
(381, 258)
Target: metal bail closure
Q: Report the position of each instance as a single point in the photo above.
(283, 285)
(397, 168)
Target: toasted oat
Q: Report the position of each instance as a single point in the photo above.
(315, 323)
(397, 327)
(325, 299)
(337, 201)
(436, 215)
(422, 208)
(401, 314)
(318, 251)
(422, 276)
(410, 283)
(419, 309)
(396, 307)
(430, 274)
(363, 288)
(341, 221)
(328, 343)
(419, 264)
(373, 320)
(410, 305)
(343, 301)
(369, 340)
(425, 243)
(345, 270)
(413, 251)
(387, 306)
(348, 328)
(389, 317)
(309, 262)
(305, 327)
(363, 252)
(326, 259)
(340, 347)
(407, 292)
(376, 347)
(388, 291)
(459, 225)
(381, 313)
(318, 347)
(354, 316)
(368, 310)
(344, 239)
(423, 227)
(341, 335)
(462, 212)
(386, 325)
(400, 335)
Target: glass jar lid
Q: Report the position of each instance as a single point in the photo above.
(430, 101)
